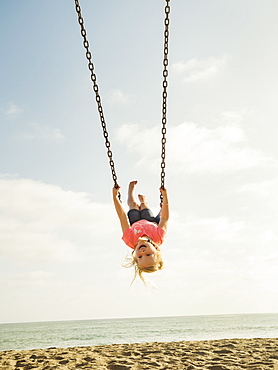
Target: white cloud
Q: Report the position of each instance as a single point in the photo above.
(269, 236)
(117, 96)
(41, 223)
(192, 148)
(234, 117)
(208, 231)
(36, 277)
(262, 189)
(60, 246)
(198, 70)
(133, 134)
(13, 111)
(41, 132)
(214, 229)
(221, 149)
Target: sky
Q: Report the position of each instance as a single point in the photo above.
(60, 240)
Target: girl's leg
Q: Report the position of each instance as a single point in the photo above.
(130, 199)
(145, 211)
(143, 202)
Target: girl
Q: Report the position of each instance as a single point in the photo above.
(143, 232)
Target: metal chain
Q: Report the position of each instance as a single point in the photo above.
(98, 99)
(96, 90)
(164, 95)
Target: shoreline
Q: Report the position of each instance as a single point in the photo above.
(221, 354)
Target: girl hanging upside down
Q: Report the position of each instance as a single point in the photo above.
(143, 232)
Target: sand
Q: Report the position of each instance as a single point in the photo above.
(224, 354)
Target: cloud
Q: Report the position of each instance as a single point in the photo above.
(199, 70)
(42, 223)
(262, 189)
(38, 278)
(56, 252)
(234, 117)
(193, 148)
(269, 236)
(12, 111)
(220, 229)
(222, 149)
(43, 133)
(117, 96)
(35, 130)
(208, 231)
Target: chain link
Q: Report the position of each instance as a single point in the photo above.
(97, 95)
(164, 95)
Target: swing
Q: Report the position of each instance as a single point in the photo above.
(98, 99)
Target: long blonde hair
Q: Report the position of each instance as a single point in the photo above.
(132, 261)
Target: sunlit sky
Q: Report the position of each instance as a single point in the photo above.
(60, 241)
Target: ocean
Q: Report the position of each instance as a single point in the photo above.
(20, 336)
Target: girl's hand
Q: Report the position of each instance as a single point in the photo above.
(163, 191)
(116, 191)
(164, 213)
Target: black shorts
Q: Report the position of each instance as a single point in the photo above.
(135, 215)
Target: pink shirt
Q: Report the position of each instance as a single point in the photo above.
(143, 228)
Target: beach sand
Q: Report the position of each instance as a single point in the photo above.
(223, 354)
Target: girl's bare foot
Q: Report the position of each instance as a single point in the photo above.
(143, 202)
(130, 199)
(142, 198)
(132, 185)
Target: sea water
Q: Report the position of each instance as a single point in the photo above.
(136, 330)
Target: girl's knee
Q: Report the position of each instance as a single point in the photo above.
(133, 205)
(143, 206)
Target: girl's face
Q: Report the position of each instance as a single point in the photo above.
(145, 253)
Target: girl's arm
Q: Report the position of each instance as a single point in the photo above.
(120, 211)
(164, 213)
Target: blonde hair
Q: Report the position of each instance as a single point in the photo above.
(132, 261)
